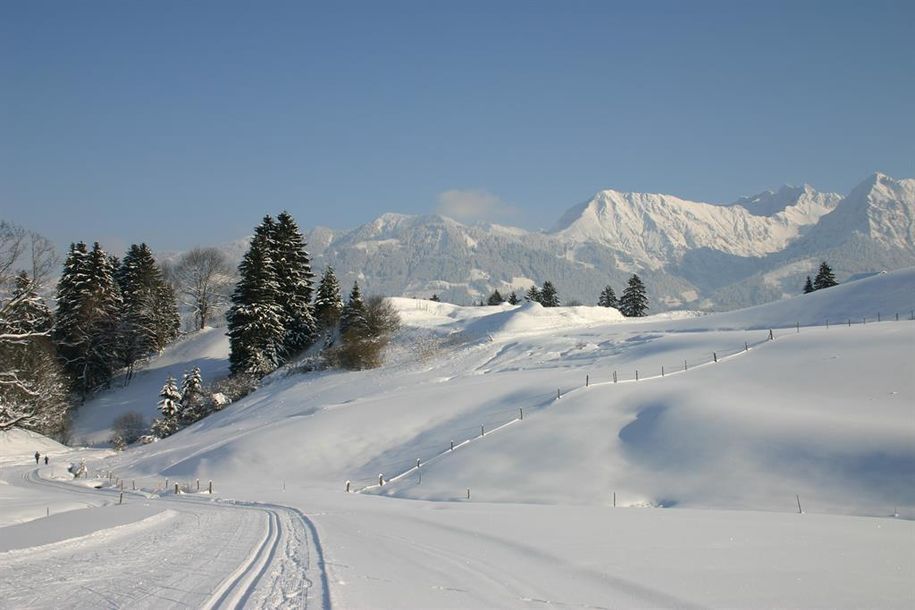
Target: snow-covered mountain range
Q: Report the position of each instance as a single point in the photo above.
(700, 255)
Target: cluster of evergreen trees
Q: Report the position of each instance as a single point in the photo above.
(273, 318)
(633, 303)
(110, 314)
(182, 407)
(546, 296)
(824, 279)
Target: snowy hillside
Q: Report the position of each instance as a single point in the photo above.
(571, 429)
(207, 349)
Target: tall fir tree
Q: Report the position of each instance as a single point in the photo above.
(634, 302)
(353, 315)
(255, 320)
(149, 318)
(824, 278)
(533, 294)
(294, 282)
(808, 286)
(548, 295)
(328, 302)
(88, 318)
(513, 298)
(608, 298)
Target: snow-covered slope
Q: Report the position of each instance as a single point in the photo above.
(548, 498)
(207, 349)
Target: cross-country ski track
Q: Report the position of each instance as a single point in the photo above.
(183, 551)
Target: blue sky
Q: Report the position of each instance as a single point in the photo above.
(182, 123)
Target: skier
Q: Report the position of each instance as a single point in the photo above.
(37, 455)
(45, 460)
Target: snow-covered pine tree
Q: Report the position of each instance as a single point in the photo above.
(824, 278)
(255, 322)
(87, 323)
(548, 295)
(513, 298)
(193, 399)
(33, 390)
(495, 298)
(169, 407)
(328, 302)
(149, 318)
(533, 294)
(608, 298)
(434, 298)
(808, 286)
(353, 315)
(634, 302)
(294, 282)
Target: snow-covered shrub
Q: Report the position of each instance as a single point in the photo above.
(129, 427)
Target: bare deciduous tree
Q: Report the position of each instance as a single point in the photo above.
(203, 278)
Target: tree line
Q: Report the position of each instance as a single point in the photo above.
(632, 304)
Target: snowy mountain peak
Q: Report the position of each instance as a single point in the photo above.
(881, 208)
(803, 203)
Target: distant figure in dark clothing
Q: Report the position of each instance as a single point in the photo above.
(37, 455)
(45, 460)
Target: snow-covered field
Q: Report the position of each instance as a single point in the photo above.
(587, 488)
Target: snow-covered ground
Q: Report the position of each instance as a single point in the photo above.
(587, 488)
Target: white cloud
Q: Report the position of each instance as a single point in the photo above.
(473, 205)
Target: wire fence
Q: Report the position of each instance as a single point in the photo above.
(493, 422)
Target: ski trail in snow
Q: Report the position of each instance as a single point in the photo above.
(196, 553)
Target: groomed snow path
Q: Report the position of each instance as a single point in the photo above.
(167, 552)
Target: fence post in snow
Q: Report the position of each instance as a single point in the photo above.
(614, 499)
(198, 484)
(685, 368)
(614, 376)
(520, 413)
(176, 489)
(636, 374)
(452, 445)
(771, 336)
(827, 324)
(482, 431)
(121, 498)
(799, 510)
(587, 380)
(715, 356)
(348, 484)
(468, 493)
(380, 480)
(746, 346)
(133, 485)
(418, 463)
(662, 370)
(849, 322)
(211, 488)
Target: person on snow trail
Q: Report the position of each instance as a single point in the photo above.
(45, 460)
(37, 455)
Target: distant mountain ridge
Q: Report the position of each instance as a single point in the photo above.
(690, 254)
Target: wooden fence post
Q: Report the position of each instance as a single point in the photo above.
(380, 480)
(198, 485)
(746, 346)
(558, 394)
(468, 493)
(211, 488)
(636, 374)
(614, 376)
(348, 483)
(452, 446)
(587, 380)
(685, 368)
(520, 413)
(715, 356)
(799, 510)
(121, 498)
(662, 370)
(176, 489)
